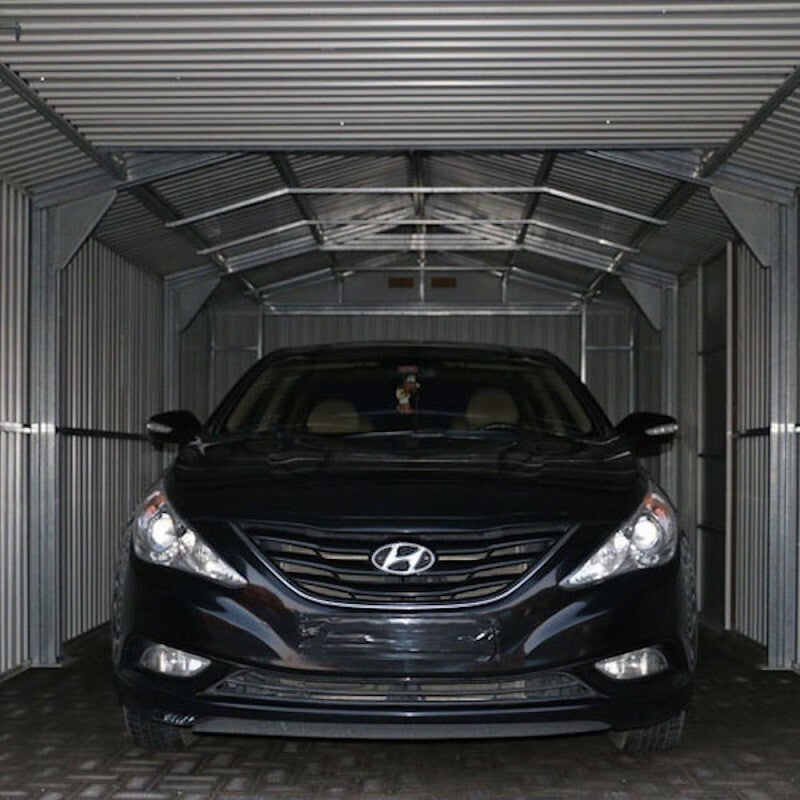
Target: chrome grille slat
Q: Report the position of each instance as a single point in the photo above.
(470, 564)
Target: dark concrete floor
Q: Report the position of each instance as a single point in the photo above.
(61, 736)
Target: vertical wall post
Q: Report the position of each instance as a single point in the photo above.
(45, 600)
(57, 233)
(584, 352)
(782, 617)
(669, 381)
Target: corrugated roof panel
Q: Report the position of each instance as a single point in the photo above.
(323, 170)
(130, 230)
(775, 147)
(361, 74)
(31, 150)
(696, 233)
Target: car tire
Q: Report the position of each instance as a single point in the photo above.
(661, 736)
(151, 735)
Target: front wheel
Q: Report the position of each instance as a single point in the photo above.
(151, 735)
(661, 736)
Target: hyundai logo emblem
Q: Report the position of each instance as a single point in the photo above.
(403, 558)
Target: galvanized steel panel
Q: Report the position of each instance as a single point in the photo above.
(129, 229)
(751, 486)
(559, 334)
(697, 233)
(194, 358)
(14, 445)
(775, 147)
(361, 74)
(31, 150)
(688, 403)
(111, 362)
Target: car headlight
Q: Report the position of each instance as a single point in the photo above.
(647, 539)
(161, 537)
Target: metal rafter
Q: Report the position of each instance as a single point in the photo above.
(289, 177)
(111, 164)
(438, 190)
(389, 222)
(682, 192)
(542, 177)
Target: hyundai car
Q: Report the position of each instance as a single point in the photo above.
(406, 541)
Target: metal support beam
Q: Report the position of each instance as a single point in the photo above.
(716, 158)
(113, 165)
(141, 169)
(782, 614)
(56, 235)
(542, 177)
(289, 177)
(341, 237)
(669, 383)
(428, 190)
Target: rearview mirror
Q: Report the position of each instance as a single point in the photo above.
(646, 433)
(173, 427)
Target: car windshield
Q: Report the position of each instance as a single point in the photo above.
(374, 397)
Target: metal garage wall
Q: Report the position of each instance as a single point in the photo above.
(14, 453)
(558, 333)
(111, 361)
(688, 332)
(194, 347)
(235, 338)
(750, 442)
(610, 360)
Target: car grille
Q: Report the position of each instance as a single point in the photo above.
(263, 685)
(470, 564)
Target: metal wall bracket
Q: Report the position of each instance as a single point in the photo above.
(647, 297)
(751, 217)
(191, 298)
(70, 224)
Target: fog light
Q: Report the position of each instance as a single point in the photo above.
(636, 664)
(171, 661)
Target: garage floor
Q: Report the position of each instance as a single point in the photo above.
(61, 737)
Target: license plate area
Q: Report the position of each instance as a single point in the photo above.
(439, 640)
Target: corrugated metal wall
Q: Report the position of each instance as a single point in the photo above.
(14, 444)
(609, 348)
(751, 445)
(194, 347)
(559, 334)
(111, 346)
(234, 338)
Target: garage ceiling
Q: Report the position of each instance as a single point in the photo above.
(474, 96)
(328, 74)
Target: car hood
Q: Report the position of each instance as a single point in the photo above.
(405, 483)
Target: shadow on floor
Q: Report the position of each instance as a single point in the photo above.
(61, 736)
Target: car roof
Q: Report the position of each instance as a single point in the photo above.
(423, 349)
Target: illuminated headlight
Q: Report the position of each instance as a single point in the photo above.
(171, 661)
(161, 537)
(647, 539)
(635, 664)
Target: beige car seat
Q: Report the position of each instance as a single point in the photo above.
(335, 416)
(491, 405)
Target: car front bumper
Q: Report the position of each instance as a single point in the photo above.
(538, 630)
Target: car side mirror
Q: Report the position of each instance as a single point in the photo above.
(646, 433)
(173, 427)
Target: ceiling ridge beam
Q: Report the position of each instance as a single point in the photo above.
(110, 163)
